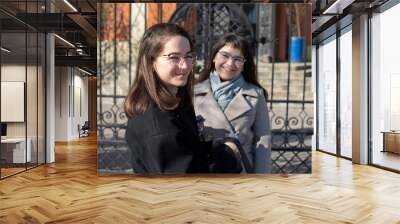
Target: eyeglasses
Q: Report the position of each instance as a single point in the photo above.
(237, 60)
(176, 59)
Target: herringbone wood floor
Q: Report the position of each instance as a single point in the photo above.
(70, 191)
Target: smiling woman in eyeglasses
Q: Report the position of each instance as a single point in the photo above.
(161, 128)
(232, 102)
(162, 132)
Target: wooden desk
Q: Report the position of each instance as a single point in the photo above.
(13, 150)
(391, 141)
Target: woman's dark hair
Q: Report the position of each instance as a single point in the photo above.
(147, 87)
(239, 42)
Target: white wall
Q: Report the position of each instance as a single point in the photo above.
(61, 103)
(71, 102)
(14, 72)
(33, 125)
(17, 72)
(81, 94)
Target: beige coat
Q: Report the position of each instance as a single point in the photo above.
(248, 114)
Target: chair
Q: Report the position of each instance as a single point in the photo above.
(84, 130)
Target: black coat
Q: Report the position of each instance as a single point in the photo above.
(167, 142)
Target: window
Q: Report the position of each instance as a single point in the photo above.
(346, 92)
(327, 95)
(385, 85)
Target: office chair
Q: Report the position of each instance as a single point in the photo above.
(84, 130)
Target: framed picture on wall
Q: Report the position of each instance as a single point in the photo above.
(12, 101)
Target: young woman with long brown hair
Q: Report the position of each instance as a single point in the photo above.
(162, 131)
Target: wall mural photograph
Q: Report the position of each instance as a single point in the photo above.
(206, 88)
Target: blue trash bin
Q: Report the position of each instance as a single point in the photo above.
(296, 49)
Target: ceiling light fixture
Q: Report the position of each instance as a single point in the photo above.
(64, 40)
(70, 5)
(5, 49)
(84, 71)
(337, 7)
(331, 8)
